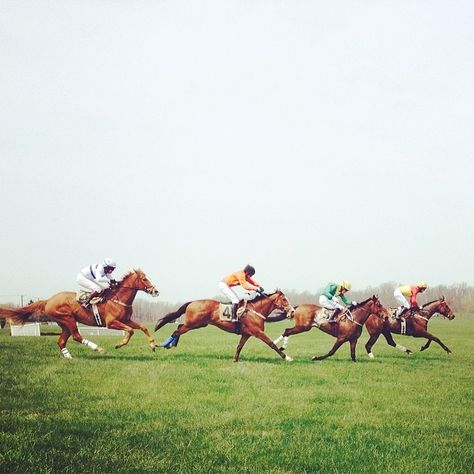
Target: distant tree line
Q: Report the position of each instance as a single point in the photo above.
(459, 296)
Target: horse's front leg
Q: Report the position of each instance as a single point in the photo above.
(116, 324)
(144, 329)
(433, 338)
(263, 337)
(336, 346)
(244, 338)
(353, 344)
(423, 348)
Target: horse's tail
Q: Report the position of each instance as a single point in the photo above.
(171, 316)
(20, 315)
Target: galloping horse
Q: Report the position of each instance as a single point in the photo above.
(200, 313)
(416, 326)
(116, 312)
(347, 329)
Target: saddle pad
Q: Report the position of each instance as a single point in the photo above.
(82, 296)
(225, 312)
(322, 316)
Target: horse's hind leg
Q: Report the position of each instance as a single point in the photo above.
(62, 341)
(289, 332)
(370, 343)
(391, 342)
(142, 327)
(336, 346)
(76, 335)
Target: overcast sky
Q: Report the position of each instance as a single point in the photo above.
(316, 140)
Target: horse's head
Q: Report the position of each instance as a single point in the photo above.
(281, 302)
(444, 309)
(139, 281)
(376, 307)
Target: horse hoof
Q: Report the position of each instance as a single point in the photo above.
(315, 358)
(289, 359)
(100, 350)
(371, 356)
(409, 352)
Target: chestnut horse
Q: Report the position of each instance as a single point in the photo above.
(200, 313)
(116, 312)
(348, 328)
(416, 326)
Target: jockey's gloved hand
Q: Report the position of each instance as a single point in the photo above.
(113, 282)
(354, 303)
(261, 290)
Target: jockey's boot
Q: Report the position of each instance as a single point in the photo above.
(234, 312)
(94, 295)
(333, 319)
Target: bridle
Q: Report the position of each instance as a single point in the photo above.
(250, 309)
(351, 318)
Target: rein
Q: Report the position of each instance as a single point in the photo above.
(250, 309)
(114, 299)
(351, 318)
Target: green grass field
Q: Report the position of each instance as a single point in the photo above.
(191, 409)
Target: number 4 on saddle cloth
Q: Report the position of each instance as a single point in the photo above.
(225, 310)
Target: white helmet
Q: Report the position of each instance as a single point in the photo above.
(109, 262)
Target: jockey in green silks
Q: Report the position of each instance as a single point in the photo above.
(332, 296)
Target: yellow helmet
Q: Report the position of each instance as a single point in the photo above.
(422, 284)
(346, 284)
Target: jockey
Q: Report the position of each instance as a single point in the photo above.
(332, 296)
(403, 291)
(242, 278)
(96, 277)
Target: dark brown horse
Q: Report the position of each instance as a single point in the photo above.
(200, 313)
(348, 328)
(116, 312)
(416, 326)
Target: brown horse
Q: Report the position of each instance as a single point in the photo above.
(200, 313)
(116, 312)
(416, 326)
(348, 328)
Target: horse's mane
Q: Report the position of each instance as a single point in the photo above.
(135, 270)
(262, 296)
(363, 302)
(434, 301)
(111, 291)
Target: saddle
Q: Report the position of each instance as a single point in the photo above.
(84, 298)
(407, 313)
(322, 316)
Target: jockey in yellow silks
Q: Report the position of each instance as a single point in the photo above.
(402, 292)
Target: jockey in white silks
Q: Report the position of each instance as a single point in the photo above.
(96, 277)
